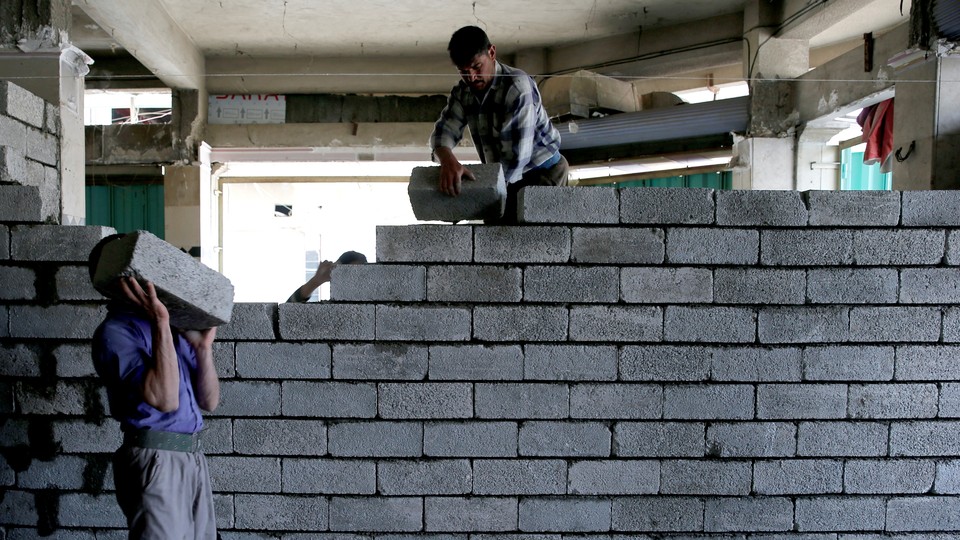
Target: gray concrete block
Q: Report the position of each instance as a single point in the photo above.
(379, 361)
(654, 285)
(483, 198)
(437, 477)
(859, 439)
(951, 325)
(798, 477)
(953, 247)
(900, 476)
(608, 400)
(245, 474)
(470, 439)
(329, 399)
(519, 477)
(4, 321)
(195, 295)
(521, 244)
(21, 203)
(664, 363)
(51, 118)
(42, 147)
(616, 323)
(520, 323)
(566, 515)
(840, 513)
(657, 514)
(424, 243)
(474, 284)
(887, 324)
(761, 208)
(378, 283)
(73, 283)
(875, 401)
(712, 246)
(21, 104)
(4, 242)
(752, 440)
(81, 437)
(801, 401)
(574, 204)
(759, 286)
(949, 403)
(87, 511)
(19, 360)
(929, 286)
(287, 437)
(225, 359)
(476, 362)
(18, 283)
(521, 400)
(689, 477)
(610, 477)
(61, 473)
(748, 514)
(803, 324)
(63, 321)
(712, 324)
(564, 439)
(853, 208)
(927, 363)
(55, 243)
(667, 206)
(73, 360)
(617, 245)
(470, 514)
(13, 134)
(375, 439)
(262, 512)
(14, 168)
(747, 364)
(259, 360)
(898, 247)
(848, 363)
(425, 400)
(570, 363)
(327, 321)
(806, 247)
(217, 436)
(567, 284)
(329, 476)
(947, 477)
(924, 438)
(248, 398)
(852, 286)
(936, 208)
(18, 508)
(712, 401)
(250, 321)
(422, 323)
(923, 513)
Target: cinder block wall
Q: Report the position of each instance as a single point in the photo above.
(651, 363)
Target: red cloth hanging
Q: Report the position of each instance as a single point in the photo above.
(877, 123)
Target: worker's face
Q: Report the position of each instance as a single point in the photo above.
(479, 72)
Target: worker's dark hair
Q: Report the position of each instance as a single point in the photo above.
(97, 250)
(352, 257)
(466, 43)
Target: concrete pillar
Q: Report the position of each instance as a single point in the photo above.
(818, 165)
(182, 205)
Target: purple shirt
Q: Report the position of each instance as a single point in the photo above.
(122, 350)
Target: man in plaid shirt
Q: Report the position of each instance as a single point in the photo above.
(507, 121)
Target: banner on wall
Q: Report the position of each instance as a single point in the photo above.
(247, 109)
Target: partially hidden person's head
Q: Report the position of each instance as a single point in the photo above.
(352, 257)
(475, 57)
(94, 258)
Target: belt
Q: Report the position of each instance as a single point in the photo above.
(553, 160)
(162, 440)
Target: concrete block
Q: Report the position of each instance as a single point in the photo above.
(4, 242)
(62, 473)
(55, 243)
(470, 514)
(568, 284)
(953, 248)
(714, 324)
(748, 364)
(616, 323)
(4, 321)
(248, 398)
(13, 134)
(801, 401)
(21, 203)
(899, 324)
(84, 510)
(798, 477)
(929, 286)
(923, 513)
(840, 513)
(378, 283)
(609, 477)
(19, 360)
(520, 323)
(689, 477)
(379, 361)
(857, 439)
(263, 512)
(664, 363)
(14, 168)
(422, 323)
(440, 477)
(195, 295)
(483, 198)
(806, 247)
(852, 286)
(245, 474)
(949, 404)
(927, 363)
(476, 362)
(875, 401)
(425, 400)
(566, 515)
(73, 283)
(654, 285)
(329, 399)
(327, 321)
(18, 283)
(73, 360)
(287, 437)
(564, 439)
(250, 321)
(474, 284)
(934, 208)
(522, 400)
(519, 477)
(657, 514)
(570, 363)
(375, 439)
(550, 204)
(42, 147)
(470, 439)
(21, 104)
(424, 243)
(712, 246)
(617, 245)
(329, 476)
(752, 440)
(18, 508)
(76, 436)
(853, 208)
(947, 477)
(708, 402)
(803, 324)
(848, 363)
(607, 401)
(900, 476)
(759, 286)
(761, 208)
(667, 206)
(521, 244)
(924, 438)
(51, 118)
(898, 247)
(217, 436)
(259, 360)
(63, 321)
(951, 325)
(748, 514)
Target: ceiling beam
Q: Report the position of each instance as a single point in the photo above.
(809, 19)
